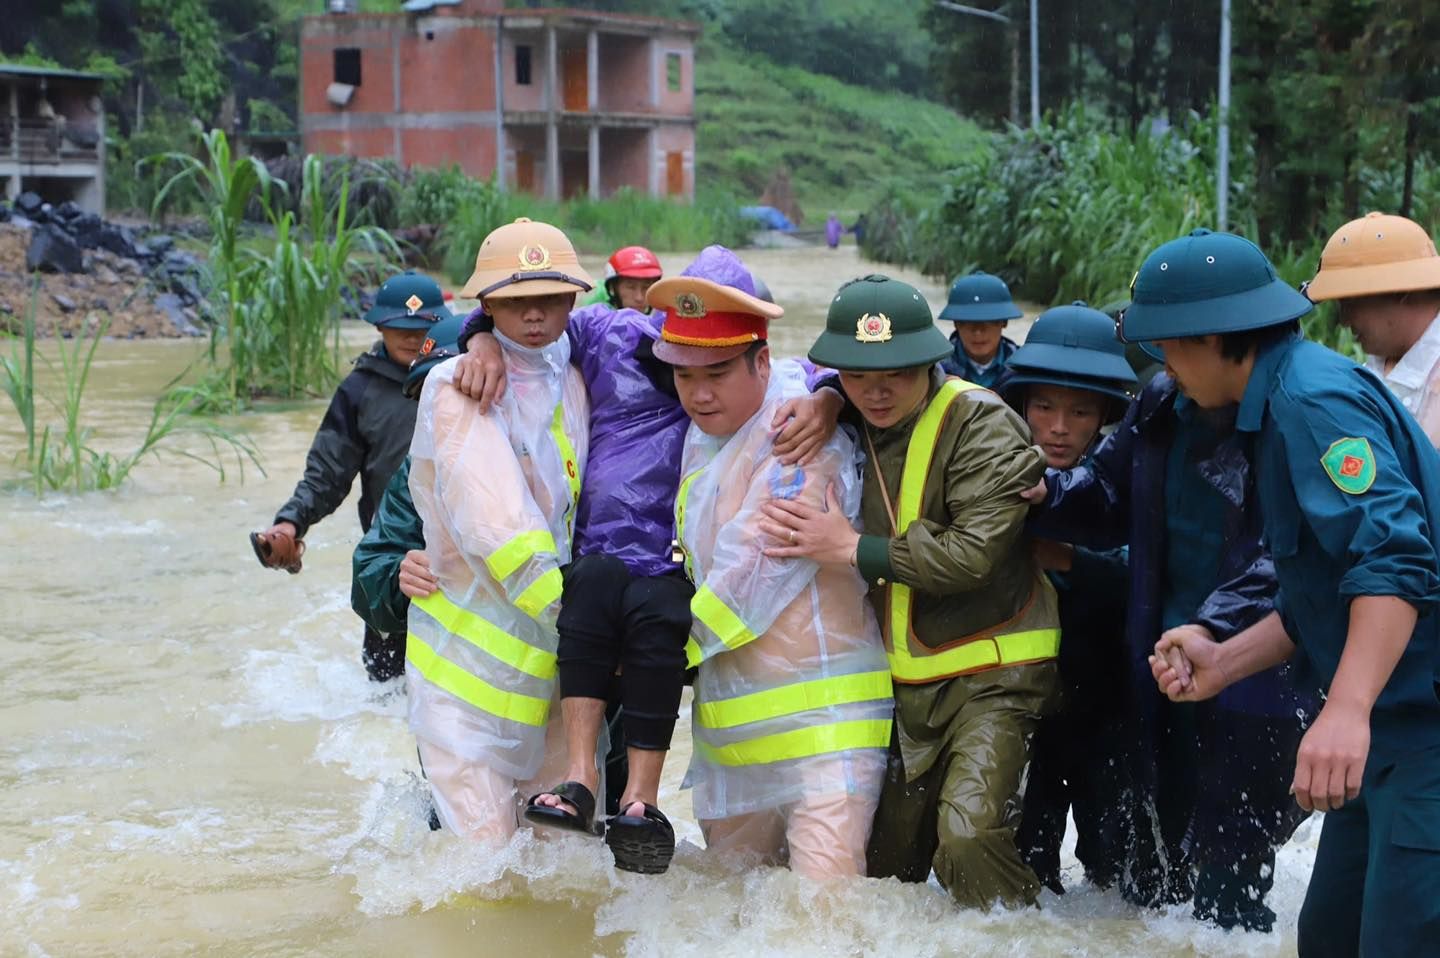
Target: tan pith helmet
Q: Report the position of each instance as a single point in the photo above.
(526, 258)
(1373, 255)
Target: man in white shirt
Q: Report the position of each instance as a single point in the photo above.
(1385, 274)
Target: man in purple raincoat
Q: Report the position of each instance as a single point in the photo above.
(625, 611)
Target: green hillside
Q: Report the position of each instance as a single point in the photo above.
(842, 145)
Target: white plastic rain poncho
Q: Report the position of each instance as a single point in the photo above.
(792, 709)
(496, 493)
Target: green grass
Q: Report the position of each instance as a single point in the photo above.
(841, 144)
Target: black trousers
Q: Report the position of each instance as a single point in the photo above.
(611, 620)
(383, 655)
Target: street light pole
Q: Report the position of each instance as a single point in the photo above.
(1035, 63)
(1222, 144)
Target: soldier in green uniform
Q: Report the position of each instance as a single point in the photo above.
(1349, 487)
(970, 623)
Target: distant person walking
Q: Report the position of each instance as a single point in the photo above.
(833, 229)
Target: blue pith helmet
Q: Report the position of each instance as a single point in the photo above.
(441, 344)
(979, 298)
(1207, 283)
(408, 301)
(1073, 346)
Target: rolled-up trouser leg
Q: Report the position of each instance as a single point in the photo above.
(980, 790)
(758, 836)
(590, 628)
(656, 621)
(902, 836)
(827, 833)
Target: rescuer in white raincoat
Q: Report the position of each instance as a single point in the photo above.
(496, 493)
(792, 709)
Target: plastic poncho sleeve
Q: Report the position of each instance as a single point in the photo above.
(488, 506)
(375, 583)
(984, 477)
(336, 456)
(744, 590)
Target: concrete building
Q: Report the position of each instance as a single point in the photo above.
(52, 135)
(556, 102)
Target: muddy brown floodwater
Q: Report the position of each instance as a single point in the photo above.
(192, 760)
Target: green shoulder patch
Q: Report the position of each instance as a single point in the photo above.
(1350, 465)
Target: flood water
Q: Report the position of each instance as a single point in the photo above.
(192, 759)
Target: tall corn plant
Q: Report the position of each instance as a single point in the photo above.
(227, 184)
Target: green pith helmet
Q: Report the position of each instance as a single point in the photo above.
(979, 298)
(876, 322)
(408, 301)
(1207, 283)
(1073, 346)
(439, 346)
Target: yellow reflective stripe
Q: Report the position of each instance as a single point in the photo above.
(984, 653)
(519, 655)
(567, 451)
(790, 699)
(720, 619)
(511, 706)
(693, 655)
(801, 743)
(681, 498)
(540, 593)
(512, 555)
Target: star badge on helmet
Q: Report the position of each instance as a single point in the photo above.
(534, 257)
(412, 304)
(689, 305)
(873, 328)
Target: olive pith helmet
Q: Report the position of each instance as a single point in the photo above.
(979, 298)
(1076, 347)
(876, 322)
(1207, 283)
(408, 301)
(441, 344)
(1373, 255)
(526, 258)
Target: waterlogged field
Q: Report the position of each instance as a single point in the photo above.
(193, 759)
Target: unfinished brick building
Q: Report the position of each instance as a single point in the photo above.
(556, 102)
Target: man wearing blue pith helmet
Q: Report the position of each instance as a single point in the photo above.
(1349, 487)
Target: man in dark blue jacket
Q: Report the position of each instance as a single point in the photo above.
(1211, 803)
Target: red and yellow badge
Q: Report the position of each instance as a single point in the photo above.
(412, 304)
(873, 328)
(1350, 464)
(534, 257)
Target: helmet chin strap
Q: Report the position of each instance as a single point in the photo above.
(514, 278)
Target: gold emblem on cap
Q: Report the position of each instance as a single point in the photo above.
(534, 257)
(689, 305)
(413, 303)
(873, 328)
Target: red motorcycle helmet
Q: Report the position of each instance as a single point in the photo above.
(629, 262)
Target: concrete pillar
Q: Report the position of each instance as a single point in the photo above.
(595, 160)
(100, 157)
(500, 178)
(15, 121)
(655, 159)
(552, 105)
(654, 73)
(592, 70)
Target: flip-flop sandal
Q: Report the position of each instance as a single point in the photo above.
(581, 820)
(641, 844)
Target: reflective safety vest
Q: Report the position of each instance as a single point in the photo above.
(1008, 643)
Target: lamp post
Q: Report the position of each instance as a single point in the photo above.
(1222, 142)
(1014, 71)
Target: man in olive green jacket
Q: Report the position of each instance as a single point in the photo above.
(971, 624)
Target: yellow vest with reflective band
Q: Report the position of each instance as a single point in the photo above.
(913, 663)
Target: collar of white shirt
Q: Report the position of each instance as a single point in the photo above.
(1410, 374)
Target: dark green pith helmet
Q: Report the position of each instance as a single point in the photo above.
(1207, 283)
(1073, 346)
(408, 301)
(439, 346)
(979, 298)
(876, 322)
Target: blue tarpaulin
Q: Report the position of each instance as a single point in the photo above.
(768, 217)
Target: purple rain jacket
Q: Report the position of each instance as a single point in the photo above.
(637, 426)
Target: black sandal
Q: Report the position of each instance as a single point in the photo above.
(641, 844)
(581, 820)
